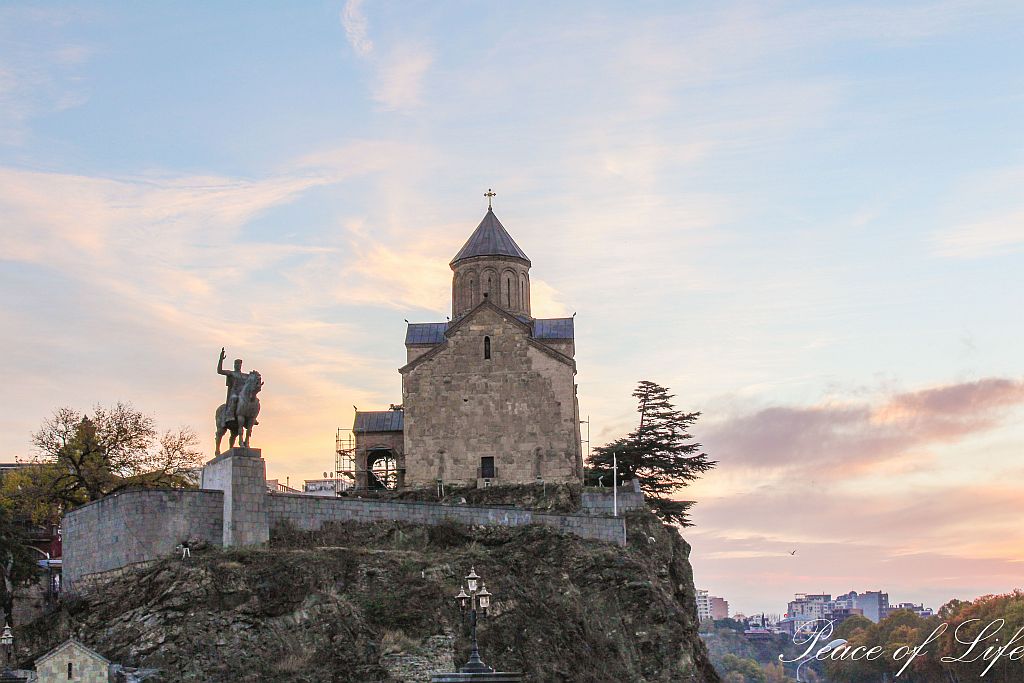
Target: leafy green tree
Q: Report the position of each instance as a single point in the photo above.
(748, 669)
(659, 453)
(17, 560)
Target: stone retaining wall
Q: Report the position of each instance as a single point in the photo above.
(601, 501)
(310, 513)
(136, 526)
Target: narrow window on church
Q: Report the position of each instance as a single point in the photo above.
(487, 468)
(70, 672)
(487, 348)
(508, 293)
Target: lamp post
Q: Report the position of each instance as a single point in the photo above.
(825, 650)
(474, 603)
(7, 642)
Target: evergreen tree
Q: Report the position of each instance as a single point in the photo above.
(659, 453)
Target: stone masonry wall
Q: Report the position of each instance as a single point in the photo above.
(136, 526)
(242, 475)
(310, 513)
(602, 501)
(519, 407)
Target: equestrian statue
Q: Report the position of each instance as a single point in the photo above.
(238, 413)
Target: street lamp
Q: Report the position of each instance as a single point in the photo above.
(474, 603)
(6, 642)
(838, 642)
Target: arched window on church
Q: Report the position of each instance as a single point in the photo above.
(508, 292)
(487, 348)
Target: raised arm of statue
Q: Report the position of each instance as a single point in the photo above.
(220, 363)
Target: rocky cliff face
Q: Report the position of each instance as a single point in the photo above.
(375, 603)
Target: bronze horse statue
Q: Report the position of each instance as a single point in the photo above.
(246, 408)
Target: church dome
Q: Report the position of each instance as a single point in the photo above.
(490, 239)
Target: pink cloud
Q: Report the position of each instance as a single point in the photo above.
(862, 434)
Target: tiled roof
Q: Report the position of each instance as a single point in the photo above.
(553, 328)
(490, 239)
(425, 333)
(379, 421)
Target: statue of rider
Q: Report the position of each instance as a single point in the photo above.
(235, 380)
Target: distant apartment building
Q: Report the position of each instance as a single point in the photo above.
(719, 607)
(873, 604)
(918, 609)
(809, 606)
(711, 607)
(703, 605)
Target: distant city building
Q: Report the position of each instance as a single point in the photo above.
(322, 487)
(275, 486)
(711, 607)
(791, 624)
(719, 607)
(703, 605)
(919, 610)
(873, 604)
(810, 606)
(838, 615)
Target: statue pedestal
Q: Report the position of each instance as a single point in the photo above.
(242, 475)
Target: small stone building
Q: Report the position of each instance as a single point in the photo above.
(488, 397)
(73, 661)
(379, 448)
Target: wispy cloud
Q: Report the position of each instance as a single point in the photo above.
(398, 70)
(356, 27)
(399, 79)
(997, 235)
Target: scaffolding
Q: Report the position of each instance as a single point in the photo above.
(344, 473)
(382, 473)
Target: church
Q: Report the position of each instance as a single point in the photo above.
(489, 397)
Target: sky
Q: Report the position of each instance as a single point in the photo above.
(804, 218)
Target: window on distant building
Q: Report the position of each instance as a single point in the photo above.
(71, 672)
(487, 348)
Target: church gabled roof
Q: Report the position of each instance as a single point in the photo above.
(378, 421)
(490, 239)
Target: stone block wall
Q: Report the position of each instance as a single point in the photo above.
(310, 513)
(137, 526)
(602, 501)
(242, 475)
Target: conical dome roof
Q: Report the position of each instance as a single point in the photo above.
(490, 239)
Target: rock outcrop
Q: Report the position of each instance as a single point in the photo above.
(375, 603)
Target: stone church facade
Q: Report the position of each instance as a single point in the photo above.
(489, 397)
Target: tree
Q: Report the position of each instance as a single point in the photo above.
(17, 561)
(659, 453)
(84, 458)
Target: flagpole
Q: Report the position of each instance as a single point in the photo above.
(615, 485)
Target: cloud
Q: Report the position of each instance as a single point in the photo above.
(399, 79)
(397, 82)
(982, 238)
(354, 21)
(859, 435)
